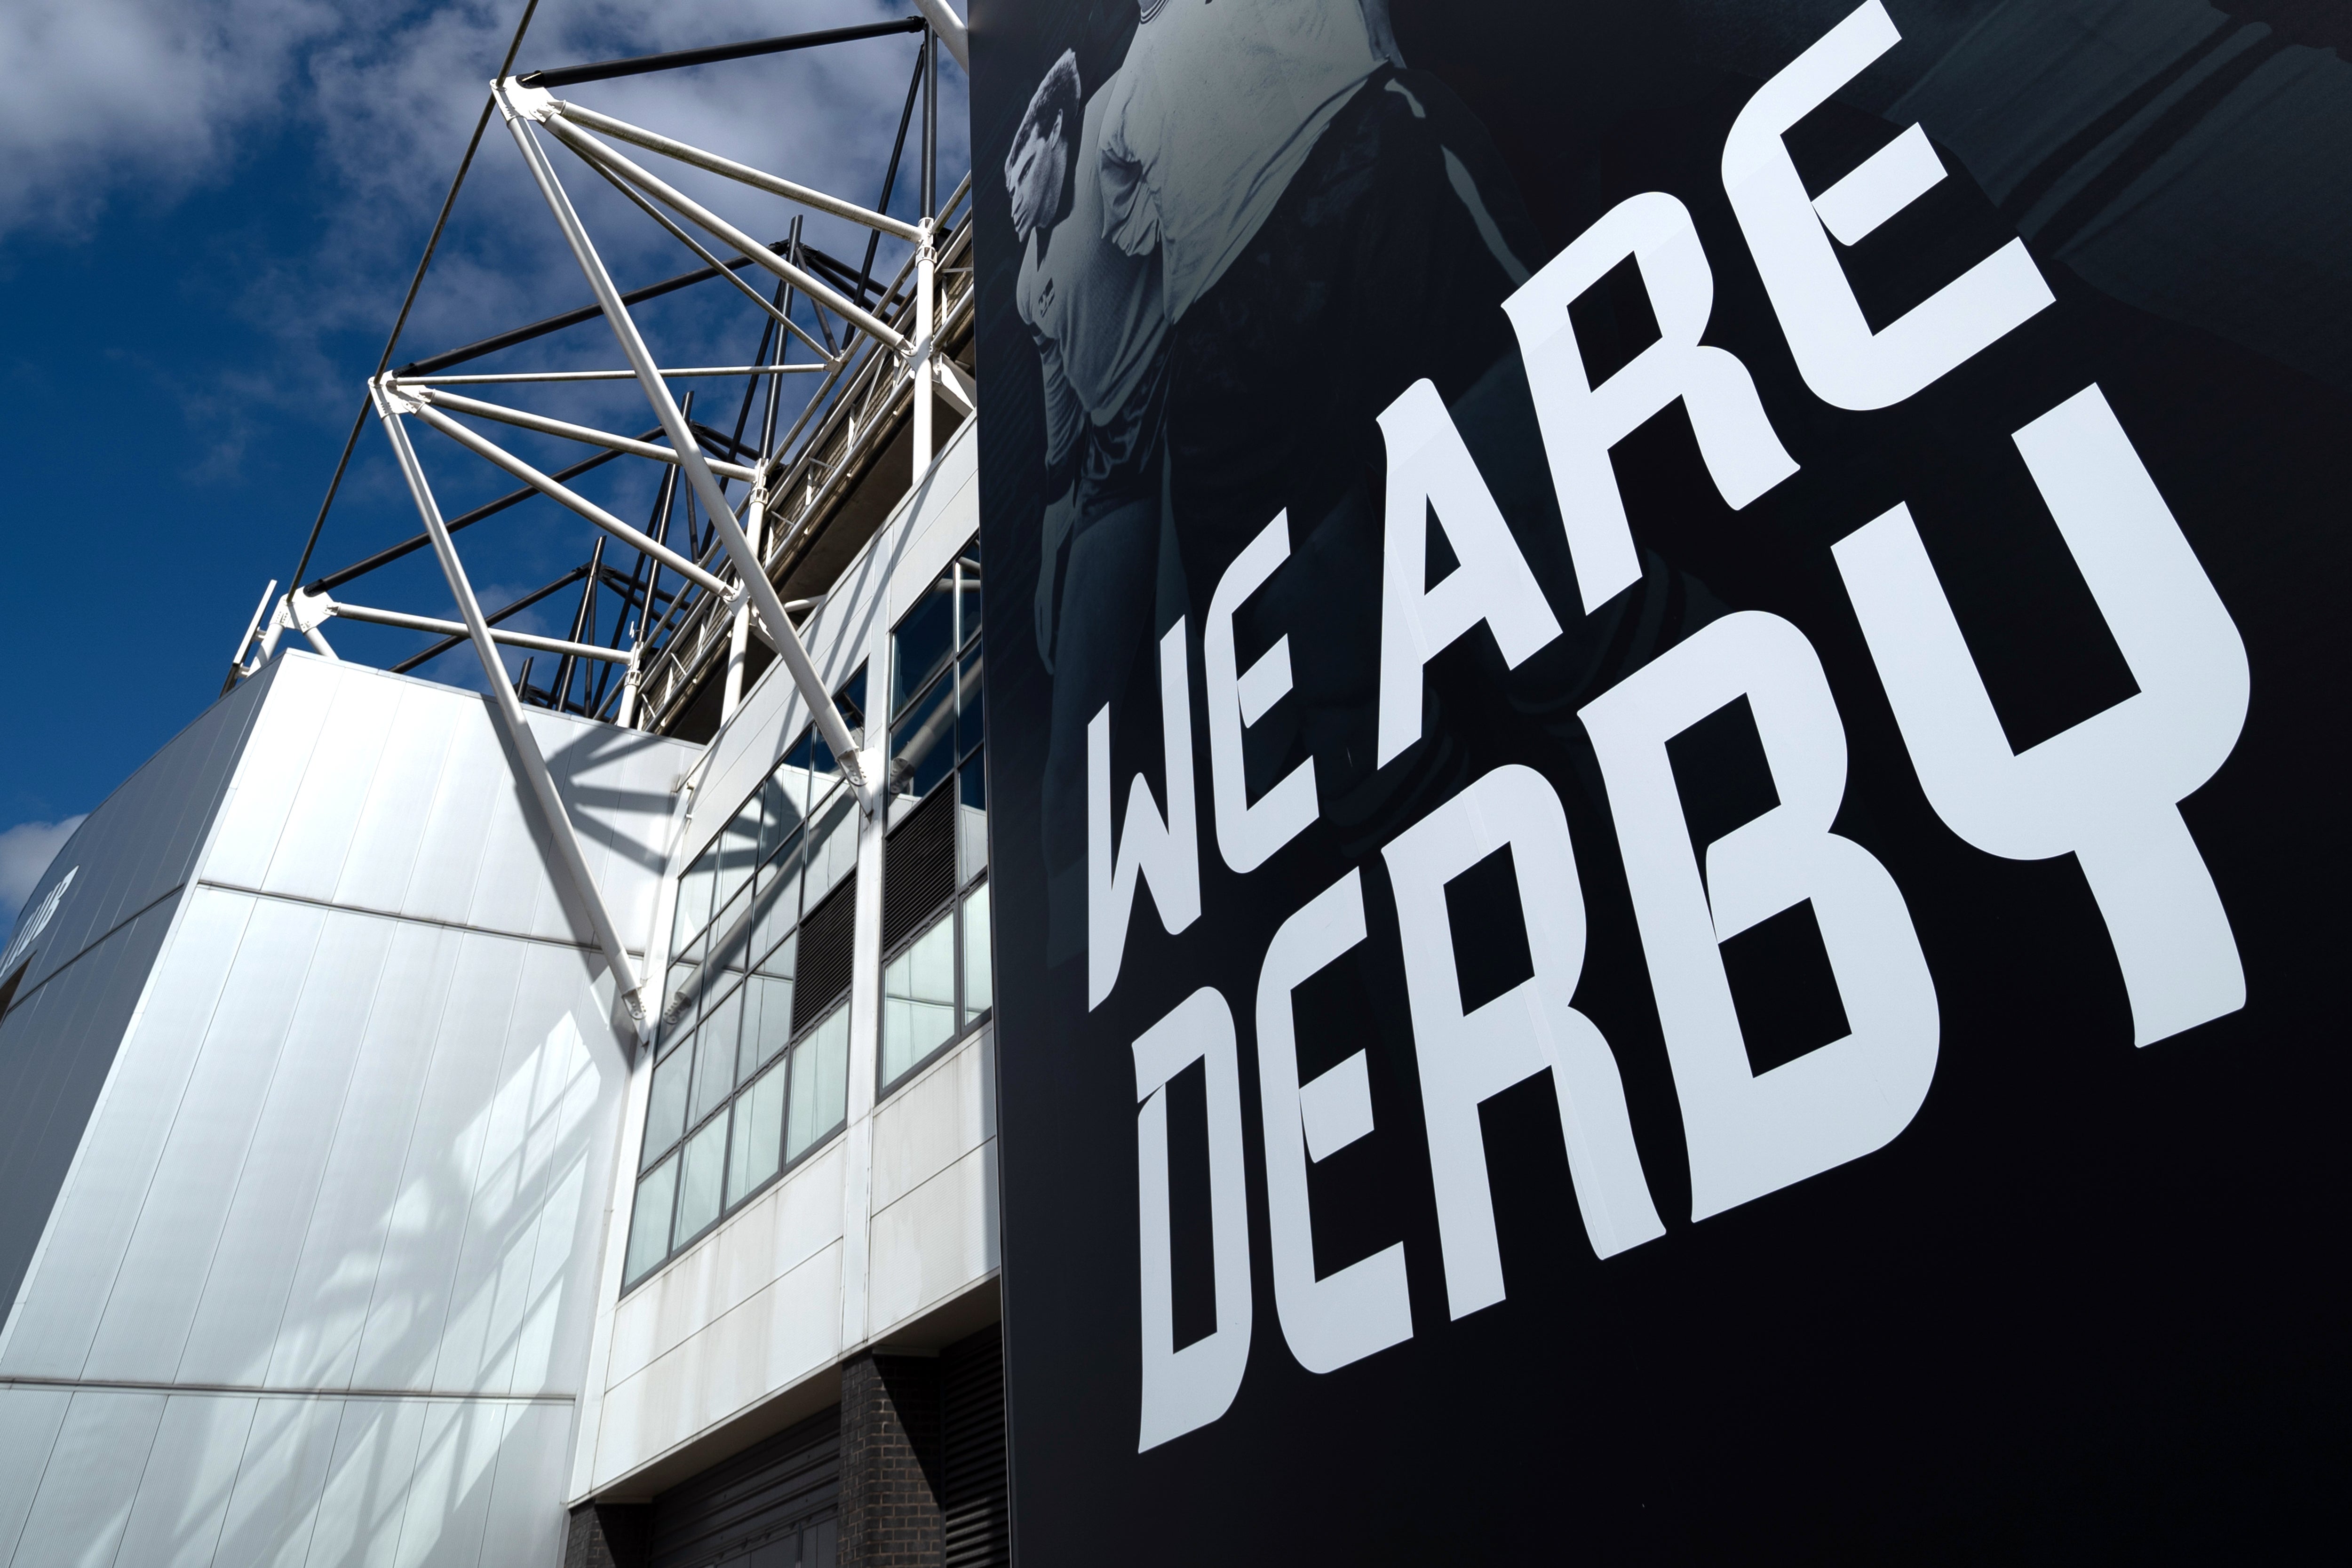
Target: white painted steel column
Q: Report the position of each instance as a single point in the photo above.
(926, 350)
(762, 593)
(739, 642)
(557, 821)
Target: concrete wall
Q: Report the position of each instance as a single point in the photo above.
(893, 1223)
(319, 1286)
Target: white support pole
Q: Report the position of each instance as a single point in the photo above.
(236, 663)
(786, 640)
(949, 28)
(739, 642)
(631, 680)
(433, 624)
(307, 613)
(289, 617)
(677, 201)
(926, 271)
(742, 174)
(542, 784)
(494, 453)
(953, 380)
(525, 420)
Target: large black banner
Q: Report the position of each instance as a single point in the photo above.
(1667, 770)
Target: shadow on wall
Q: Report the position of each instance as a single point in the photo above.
(448, 1234)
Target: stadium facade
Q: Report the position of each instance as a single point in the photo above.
(1598, 823)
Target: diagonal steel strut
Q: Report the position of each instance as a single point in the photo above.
(754, 576)
(553, 817)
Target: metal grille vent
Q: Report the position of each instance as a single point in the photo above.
(828, 940)
(781, 1493)
(971, 1408)
(919, 868)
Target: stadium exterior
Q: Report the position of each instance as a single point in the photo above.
(1631, 862)
(327, 1239)
(336, 1102)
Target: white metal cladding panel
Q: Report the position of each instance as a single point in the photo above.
(143, 840)
(300, 692)
(928, 1124)
(936, 1242)
(526, 1521)
(379, 791)
(367, 1482)
(87, 1488)
(66, 1293)
(620, 789)
(184, 1488)
(476, 784)
(448, 1489)
(56, 1048)
(280, 1477)
(29, 1420)
(322, 820)
(521, 1304)
(144, 1324)
(246, 1284)
(782, 1334)
(388, 842)
(772, 1236)
(349, 1225)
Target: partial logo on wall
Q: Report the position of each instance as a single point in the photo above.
(38, 921)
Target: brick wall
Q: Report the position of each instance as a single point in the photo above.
(606, 1535)
(890, 1489)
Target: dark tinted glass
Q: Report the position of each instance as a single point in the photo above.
(924, 641)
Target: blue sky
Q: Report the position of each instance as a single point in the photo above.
(208, 214)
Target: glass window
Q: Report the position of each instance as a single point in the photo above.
(971, 823)
(820, 1094)
(730, 940)
(796, 779)
(979, 975)
(938, 983)
(700, 1170)
(767, 1023)
(739, 849)
(851, 701)
(665, 1106)
(922, 743)
(936, 720)
(649, 1220)
(971, 713)
(784, 799)
(777, 908)
(714, 1056)
(679, 996)
(924, 641)
(968, 593)
(693, 891)
(833, 848)
(731, 1082)
(919, 999)
(757, 1152)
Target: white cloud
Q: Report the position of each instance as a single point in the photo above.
(105, 94)
(25, 851)
(120, 101)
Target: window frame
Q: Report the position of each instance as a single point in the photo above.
(961, 671)
(949, 912)
(680, 1028)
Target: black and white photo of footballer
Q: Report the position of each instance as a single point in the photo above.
(1220, 243)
